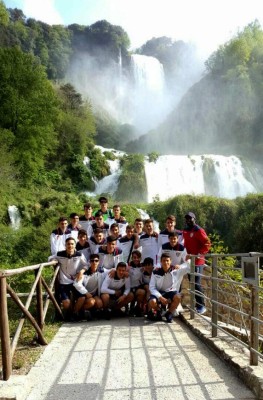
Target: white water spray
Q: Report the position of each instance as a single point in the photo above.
(173, 175)
(14, 216)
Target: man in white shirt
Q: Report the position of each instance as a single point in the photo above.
(164, 287)
(115, 291)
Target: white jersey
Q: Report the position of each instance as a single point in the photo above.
(109, 261)
(122, 225)
(135, 274)
(90, 283)
(69, 266)
(58, 240)
(87, 226)
(177, 253)
(169, 281)
(164, 238)
(126, 245)
(110, 285)
(149, 245)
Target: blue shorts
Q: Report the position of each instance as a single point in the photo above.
(134, 289)
(66, 291)
(167, 295)
(114, 297)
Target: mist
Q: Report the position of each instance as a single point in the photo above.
(137, 93)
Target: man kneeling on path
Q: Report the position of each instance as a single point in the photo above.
(90, 285)
(116, 291)
(164, 287)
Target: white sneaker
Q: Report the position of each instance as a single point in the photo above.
(176, 313)
(180, 308)
(201, 310)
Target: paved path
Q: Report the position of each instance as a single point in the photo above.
(131, 359)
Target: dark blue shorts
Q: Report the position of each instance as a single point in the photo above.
(167, 295)
(114, 297)
(134, 289)
(66, 291)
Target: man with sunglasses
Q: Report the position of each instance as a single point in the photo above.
(90, 286)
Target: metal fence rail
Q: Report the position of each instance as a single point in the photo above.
(232, 286)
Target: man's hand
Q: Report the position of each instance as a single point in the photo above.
(111, 273)
(121, 298)
(80, 275)
(88, 295)
(163, 300)
(118, 293)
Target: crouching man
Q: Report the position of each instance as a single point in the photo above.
(90, 286)
(115, 291)
(164, 288)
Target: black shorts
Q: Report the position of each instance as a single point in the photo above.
(66, 291)
(167, 295)
(114, 297)
(134, 289)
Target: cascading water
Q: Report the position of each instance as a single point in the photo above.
(14, 216)
(208, 174)
(172, 175)
(109, 183)
(149, 101)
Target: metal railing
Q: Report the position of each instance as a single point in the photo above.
(233, 298)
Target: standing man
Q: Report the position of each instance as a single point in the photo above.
(106, 212)
(59, 235)
(163, 236)
(196, 243)
(149, 241)
(109, 255)
(72, 266)
(87, 219)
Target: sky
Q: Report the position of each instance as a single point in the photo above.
(205, 23)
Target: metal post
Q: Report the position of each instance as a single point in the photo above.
(192, 288)
(214, 296)
(254, 328)
(5, 336)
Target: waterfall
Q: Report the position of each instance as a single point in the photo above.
(14, 216)
(148, 74)
(172, 175)
(144, 215)
(208, 174)
(149, 101)
(109, 184)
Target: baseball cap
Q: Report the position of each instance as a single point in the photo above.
(190, 214)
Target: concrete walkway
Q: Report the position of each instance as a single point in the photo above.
(130, 359)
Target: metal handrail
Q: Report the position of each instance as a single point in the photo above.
(242, 292)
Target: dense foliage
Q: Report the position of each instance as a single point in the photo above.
(132, 185)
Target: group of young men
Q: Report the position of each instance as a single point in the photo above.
(110, 267)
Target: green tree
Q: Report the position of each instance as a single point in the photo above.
(28, 108)
(4, 16)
